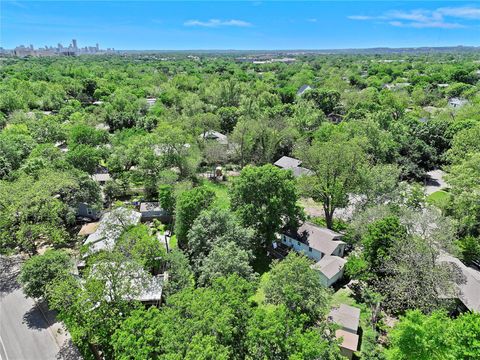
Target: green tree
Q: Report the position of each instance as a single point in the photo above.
(293, 283)
(216, 227)
(265, 199)
(40, 271)
(337, 167)
(225, 259)
(190, 204)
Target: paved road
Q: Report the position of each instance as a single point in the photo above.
(24, 331)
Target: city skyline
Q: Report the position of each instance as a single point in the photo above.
(246, 25)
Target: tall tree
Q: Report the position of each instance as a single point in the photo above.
(265, 199)
(337, 167)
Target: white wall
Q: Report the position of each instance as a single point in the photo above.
(298, 246)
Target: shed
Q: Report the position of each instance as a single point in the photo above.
(348, 317)
(153, 210)
(349, 342)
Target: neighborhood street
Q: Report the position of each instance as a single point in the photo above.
(25, 332)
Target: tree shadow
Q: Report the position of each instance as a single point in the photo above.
(34, 319)
(9, 269)
(68, 351)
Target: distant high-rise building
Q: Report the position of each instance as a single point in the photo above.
(74, 43)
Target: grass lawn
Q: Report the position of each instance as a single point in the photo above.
(221, 189)
(259, 296)
(439, 198)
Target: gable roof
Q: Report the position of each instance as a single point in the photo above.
(316, 237)
(286, 162)
(330, 265)
(303, 88)
(215, 135)
(348, 317)
(111, 226)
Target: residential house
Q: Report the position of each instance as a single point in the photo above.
(314, 241)
(101, 177)
(348, 318)
(468, 284)
(216, 136)
(111, 226)
(86, 212)
(151, 101)
(322, 245)
(457, 103)
(303, 89)
(153, 210)
(289, 163)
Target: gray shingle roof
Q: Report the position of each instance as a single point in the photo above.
(286, 162)
(348, 317)
(330, 265)
(316, 237)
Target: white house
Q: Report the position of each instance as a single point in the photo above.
(322, 245)
(289, 163)
(314, 241)
(153, 210)
(303, 89)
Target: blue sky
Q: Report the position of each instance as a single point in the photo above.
(240, 25)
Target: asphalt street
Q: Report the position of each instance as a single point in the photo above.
(25, 333)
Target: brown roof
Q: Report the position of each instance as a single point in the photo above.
(350, 341)
(316, 237)
(88, 229)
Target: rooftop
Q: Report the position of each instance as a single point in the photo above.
(286, 162)
(350, 341)
(88, 229)
(469, 287)
(330, 265)
(316, 237)
(111, 226)
(348, 317)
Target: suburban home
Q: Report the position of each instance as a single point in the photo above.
(322, 245)
(303, 89)
(215, 136)
(468, 285)
(86, 212)
(330, 269)
(101, 178)
(289, 163)
(314, 241)
(153, 210)
(111, 226)
(457, 102)
(348, 318)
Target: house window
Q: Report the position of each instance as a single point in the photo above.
(310, 249)
(89, 212)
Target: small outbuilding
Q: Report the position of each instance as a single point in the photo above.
(153, 210)
(348, 318)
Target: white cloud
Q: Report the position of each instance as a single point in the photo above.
(312, 20)
(217, 23)
(465, 12)
(361, 17)
(441, 18)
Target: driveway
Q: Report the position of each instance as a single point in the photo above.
(28, 331)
